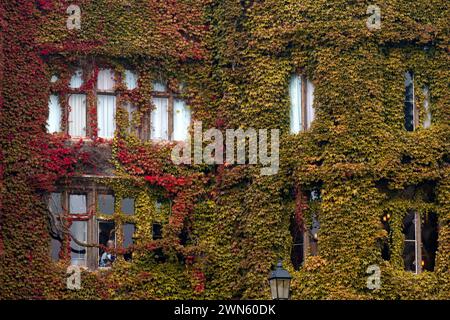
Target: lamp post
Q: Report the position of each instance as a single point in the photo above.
(280, 283)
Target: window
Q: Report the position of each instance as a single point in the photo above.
(385, 249)
(106, 104)
(411, 114)
(301, 93)
(169, 120)
(93, 219)
(54, 115)
(421, 243)
(426, 107)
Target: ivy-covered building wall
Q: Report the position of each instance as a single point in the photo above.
(224, 226)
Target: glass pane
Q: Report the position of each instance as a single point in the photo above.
(285, 289)
(127, 206)
(159, 86)
(429, 241)
(105, 80)
(181, 120)
(157, 231)
(105, 203)
(130, 79)
(106, 116)
(409, 226)
(54, 115)
(55, 204)
(426, 107)
(78, 230)
(77, 204)
(295, 94)
(409, 256)
(77, 79)
(55, 249)
(310, 112)
(273, 288)
(128, 233)
(409, 101)
(77, 115)
(106, 237)
(159, 119)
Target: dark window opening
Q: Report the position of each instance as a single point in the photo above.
(410, 246)
(385, 248)
(157, 231)
(106, 237)
(128, 233)
(409, 101)
(429, 241)
(297, 251)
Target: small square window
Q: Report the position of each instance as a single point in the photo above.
(105, 204)
(127, 206)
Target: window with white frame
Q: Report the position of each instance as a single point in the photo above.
(169, 119)
(301, 94)
(421, 241)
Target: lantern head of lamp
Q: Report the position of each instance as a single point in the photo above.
(280, 282)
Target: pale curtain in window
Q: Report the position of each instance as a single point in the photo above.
(78, 230)
(295, 94)
(159, 119)
(77, 115)
(105, 80)
(181, 120)
(310, 114)
(106, 112)
(54, 114)
(159, 86)
(77, 79)
(130, 79)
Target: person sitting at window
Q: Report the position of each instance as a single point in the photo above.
(107, 258)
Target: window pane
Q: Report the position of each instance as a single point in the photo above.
(107, 238)
(78, 230)
(409, 256)
(159, 86)
(127, 206)
(159, 119)
(55, 204)
(429, 241)
(77, 79)
(77, 204)
(130, 79)
(157, 231)
(426, 107)
(105, 203)
(181, 120)
(128, 233)
(409, 226)
(55, 249)
(295, 94)
(409, 101)
(106, 112)
(310, 113)
(77, 115)
(54, 114)
(105, 80)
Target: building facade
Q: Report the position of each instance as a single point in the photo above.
(96, 95)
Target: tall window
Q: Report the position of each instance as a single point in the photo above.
(426, 107)
(301, 93)
(93, 218)
(411, 114)
(106, 104)
(78, 108)
(171, 117)
(420, 241)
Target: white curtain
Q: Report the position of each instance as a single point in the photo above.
(77, 79)
(160, 119)
(310, 114)
(181, 120)
(295, 94)
(159, 86)
(54, 114)
(105, 80)
(106, 112)
(130, 79)
(77, 115)
(78, 230)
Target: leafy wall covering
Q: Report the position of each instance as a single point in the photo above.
(236, 58)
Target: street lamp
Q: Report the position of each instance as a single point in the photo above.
(280, 282)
